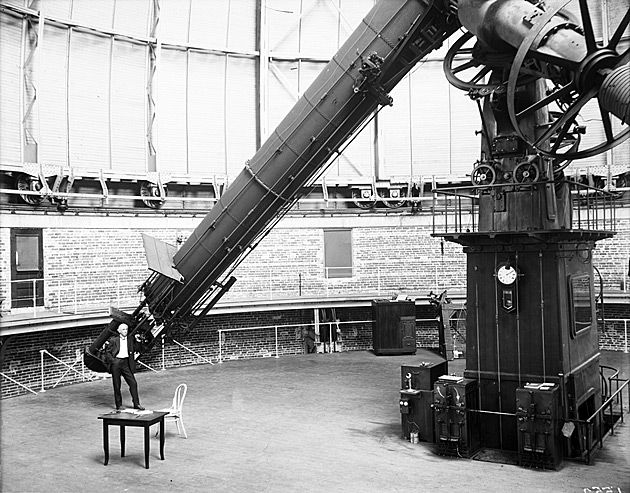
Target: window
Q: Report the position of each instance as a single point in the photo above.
(27, 268)
(338, 253)
(581, 299)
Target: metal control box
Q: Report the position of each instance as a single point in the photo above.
(539, 425)
(456, 423)
(422, 376)
(416, 410)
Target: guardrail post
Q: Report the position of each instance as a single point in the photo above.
(163, 363)
(80, 358)
(220, 347)
(41, 364)
(589, 431)
(34, 297)
(621, 402)
(612, 417)
(277, 356)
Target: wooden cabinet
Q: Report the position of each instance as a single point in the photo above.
(393, 327)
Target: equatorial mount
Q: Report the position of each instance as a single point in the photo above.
(571, 86)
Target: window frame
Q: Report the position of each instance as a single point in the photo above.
(331, 240)
(578, 326)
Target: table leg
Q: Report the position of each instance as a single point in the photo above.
(122, 441)
(146, 447)
(106, 441)
(162, 438)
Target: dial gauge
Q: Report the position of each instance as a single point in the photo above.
(506, 274)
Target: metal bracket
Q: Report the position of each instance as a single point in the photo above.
(219, 185)
(103, 182)
(370, 73)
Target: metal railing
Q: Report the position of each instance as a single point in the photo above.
(593, 209)
(96, 291)
(71, 294)
(69, 367)
(595, 424)
(205, 360)
(26, 387)
(333, 346)
(88, 375)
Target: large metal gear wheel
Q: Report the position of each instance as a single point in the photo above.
(28, 183)
(151, 190)
(360, 201)
(570, 96)
(526, 173)
(400, 201)
(466, 67)
(483, 175)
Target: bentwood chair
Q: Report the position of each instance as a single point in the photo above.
(175, 411)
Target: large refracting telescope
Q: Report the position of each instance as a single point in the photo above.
(537, 73)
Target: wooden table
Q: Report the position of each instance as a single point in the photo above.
(123, 419)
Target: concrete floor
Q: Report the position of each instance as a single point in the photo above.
(326, 422)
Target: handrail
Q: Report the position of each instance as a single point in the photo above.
(276, 327)
(597, 418)
(611, 377)
(18, 383)
(370, 279)
(65, 294)
(596, 214)
(609, 400)
(70, 367)
(192, 352)
(147, 366)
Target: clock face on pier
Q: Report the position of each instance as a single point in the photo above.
(506, 274)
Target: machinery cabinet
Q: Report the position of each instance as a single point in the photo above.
(416, 410)
(423, 376)
(538, 420)
(393, 327)
(456, 426)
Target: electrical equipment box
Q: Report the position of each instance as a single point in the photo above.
(423, 376)
(456, 424)
(416, 410)
(393, 327)
(538, 421)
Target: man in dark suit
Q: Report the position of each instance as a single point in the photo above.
(121, 361)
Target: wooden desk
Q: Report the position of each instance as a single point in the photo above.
(123, 419)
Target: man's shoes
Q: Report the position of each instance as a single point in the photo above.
(138, 407)
(119, 408)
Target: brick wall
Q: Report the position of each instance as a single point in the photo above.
(108, 264)
(87, 266)
(5, 265)
(22, 357)
(614, 335)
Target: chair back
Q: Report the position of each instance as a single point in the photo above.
(180, 395)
